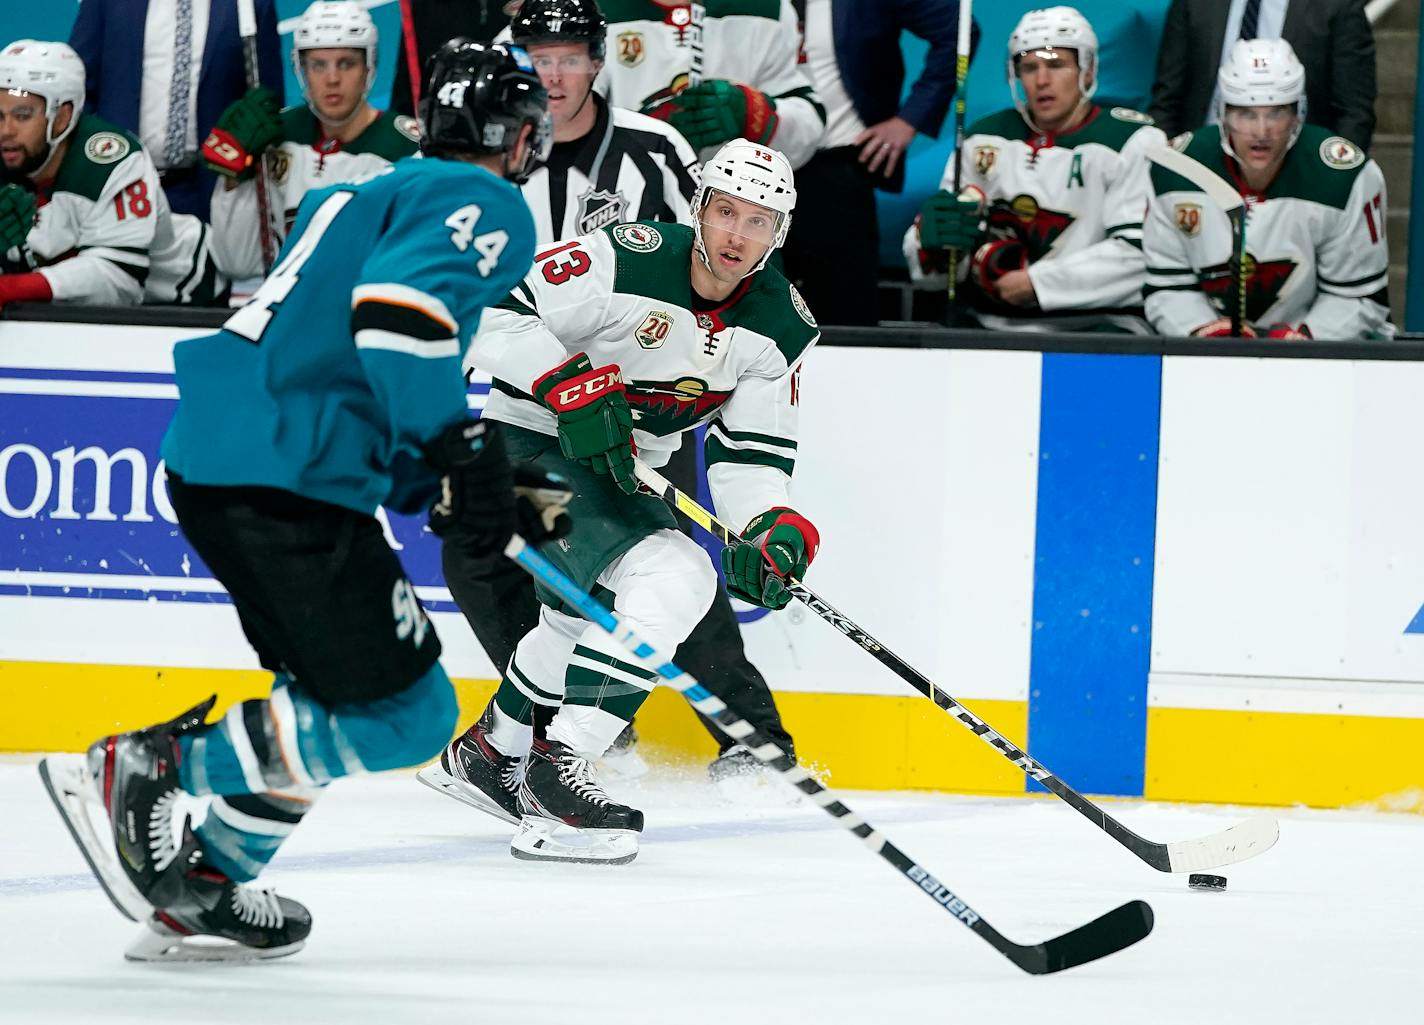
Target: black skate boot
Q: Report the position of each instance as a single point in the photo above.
(131, 779)
(567, 814)
(214, 918)
(473, 771)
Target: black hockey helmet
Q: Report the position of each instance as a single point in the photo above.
(478, 96)
(561, 21)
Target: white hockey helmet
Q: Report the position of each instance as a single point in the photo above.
(334, 24)
(755, 173)
(51, 70)
(1261, 73)
(1054, 28)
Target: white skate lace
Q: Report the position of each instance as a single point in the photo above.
(257, 907)
(577, 774)
(160, 831)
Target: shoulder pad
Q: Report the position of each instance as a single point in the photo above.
(106, 148)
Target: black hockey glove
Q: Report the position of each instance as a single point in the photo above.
(483, 500)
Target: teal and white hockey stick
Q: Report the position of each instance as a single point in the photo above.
(1236, 843)
(1119, 928)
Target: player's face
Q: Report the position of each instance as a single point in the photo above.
(1050, 84)
(1260, 136)
(23, 148)
(567, 73)
(336, 80)
(735, 234)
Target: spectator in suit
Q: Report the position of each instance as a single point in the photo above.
(1332, 38)
(140, 56)
(853, 58)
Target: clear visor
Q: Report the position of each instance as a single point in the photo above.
(1027, 62)
(546, 64)
(318, 63)
(750, 221)
(1258, 119)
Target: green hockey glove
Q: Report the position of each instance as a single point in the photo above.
(17, 216)
(595, 421)
(718, 111)
(950, 222)
(778, 544)
(251, 125)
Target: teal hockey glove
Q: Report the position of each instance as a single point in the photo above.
(778, 544)
(595, 421)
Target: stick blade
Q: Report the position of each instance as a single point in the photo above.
(1118, 929)
(1242, 841)
(1217, 188)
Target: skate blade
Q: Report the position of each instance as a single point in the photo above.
(76, 797)
(627, 764)
(158, 944)
(541, 839)
(437, 779)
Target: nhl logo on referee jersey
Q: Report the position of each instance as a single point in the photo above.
(1188, 218)
(106, 147)
(1341, 154)
(640, 238)
(600, 208)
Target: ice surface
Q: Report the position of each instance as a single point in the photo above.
(762, 911)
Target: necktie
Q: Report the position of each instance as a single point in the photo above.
(175, 143)
(1249, 19)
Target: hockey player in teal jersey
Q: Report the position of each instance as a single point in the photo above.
(335, 390)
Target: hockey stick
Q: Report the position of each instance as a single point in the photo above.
(697, 15)
(1223, 194)
(1119, 928)
(247, 29)
(1237, 843)
(961, 80)
(412, 55)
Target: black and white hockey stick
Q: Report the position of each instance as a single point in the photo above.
(1237, 843)
(247, 30)
(1223, 194)
(1119, 928)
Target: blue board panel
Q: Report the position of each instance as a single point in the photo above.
(1092, 602)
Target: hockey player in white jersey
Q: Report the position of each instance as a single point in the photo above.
(1049, 217)
(335, 137)
(83, 218)
(1316, 263)
(617, 343)
(716, 72)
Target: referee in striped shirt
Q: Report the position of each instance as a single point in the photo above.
(608, 164)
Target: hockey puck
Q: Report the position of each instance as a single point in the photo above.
(1202, 881)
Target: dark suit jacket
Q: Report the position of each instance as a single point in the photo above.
(1332, 38)
(867, 41)
(437, 21)
(108, 36)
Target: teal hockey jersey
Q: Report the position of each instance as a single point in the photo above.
(347, 359)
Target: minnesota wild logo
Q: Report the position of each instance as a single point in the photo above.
(1264, 281)
(1038, 228)
(670, 407)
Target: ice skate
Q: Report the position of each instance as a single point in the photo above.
(622, 760)
(130, 780)
(474, 772)
(217, 919)
(567, 816)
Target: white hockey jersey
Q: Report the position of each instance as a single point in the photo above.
(306, 160)
(624, 295)
(104, 234)
(1075, 201)
(656, 50)
(1315, 242)
(627, 168)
